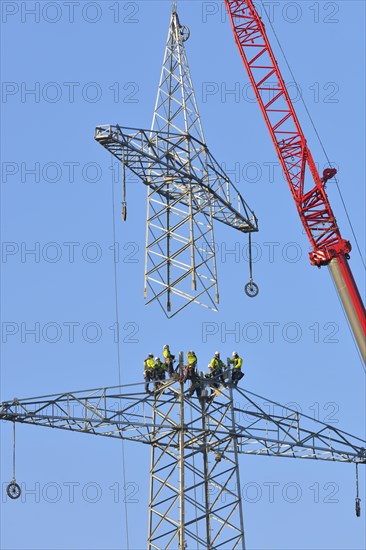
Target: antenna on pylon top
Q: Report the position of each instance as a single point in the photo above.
(174, 6)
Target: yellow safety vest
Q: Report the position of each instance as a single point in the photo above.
(215, 363)
(149, 364)
(192, 359)
(237, 362)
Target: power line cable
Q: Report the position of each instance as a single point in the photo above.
(118, 343)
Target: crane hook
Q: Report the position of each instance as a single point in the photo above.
(358, 500)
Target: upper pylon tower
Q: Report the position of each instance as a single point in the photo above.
(186, 188)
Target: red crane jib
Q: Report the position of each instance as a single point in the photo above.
(313, 205)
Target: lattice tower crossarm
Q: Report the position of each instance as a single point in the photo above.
(125, 412)
(195, 444)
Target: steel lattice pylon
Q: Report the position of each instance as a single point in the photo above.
(186, 188)
(194, 476)
(195, 496)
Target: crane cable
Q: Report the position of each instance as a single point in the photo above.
(358, 500)
(14, 443)
(118, 344)
(317, 134)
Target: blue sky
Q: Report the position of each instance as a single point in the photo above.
(98, 63)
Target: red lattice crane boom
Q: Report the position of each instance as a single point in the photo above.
(328, 246)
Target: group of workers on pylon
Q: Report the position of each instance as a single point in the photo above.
(155, 371)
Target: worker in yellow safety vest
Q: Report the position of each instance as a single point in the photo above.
(192, 359)
(236, 373)
(159, 372)
(169, 360)
(149, 371)
(192, 375)
(216, 369)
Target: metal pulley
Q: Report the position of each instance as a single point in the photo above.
(185, 33)
(328, 174)
(251, 289)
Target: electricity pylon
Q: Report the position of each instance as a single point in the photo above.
(195, 497)
(186, 188)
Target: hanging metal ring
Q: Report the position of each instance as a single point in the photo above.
(251, 289)
(13, 490)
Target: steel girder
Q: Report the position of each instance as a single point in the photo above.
(261, 426)
(154, 155)
(187, 191)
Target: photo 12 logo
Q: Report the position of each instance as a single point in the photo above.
(91, 492)
(71, 252)
(71, 11)
(70, 92)
(289, 12)
(270, 332)
(70, 332)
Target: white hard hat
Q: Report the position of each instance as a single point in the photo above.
(217, 353)
(166, 346)
(235, 353)
(151, 355)
(157, 358)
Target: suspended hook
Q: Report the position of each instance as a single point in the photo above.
(124, 203)
(358, 500)
(13, 489)
(251, 289)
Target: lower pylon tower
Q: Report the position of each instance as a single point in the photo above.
(195, 440)
(195, 499)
